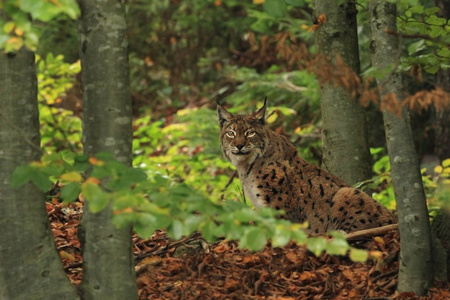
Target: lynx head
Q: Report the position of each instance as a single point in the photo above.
(243, 137)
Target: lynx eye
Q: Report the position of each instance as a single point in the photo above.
(230, 134)
(250, 133)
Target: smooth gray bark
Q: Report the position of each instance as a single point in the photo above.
(414, 226)
(108, 264)
(346, 151)
(29, 264)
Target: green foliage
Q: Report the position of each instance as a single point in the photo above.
(436, 182)
(187, 150)
(382, 169)
(18, 29)
(151, 201)
(430, 35)
(60, 129)
(186, 43)
(425, 34)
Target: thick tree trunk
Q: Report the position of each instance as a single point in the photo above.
(108, 267)
(414, 227)
(29, 264)
(345, 147)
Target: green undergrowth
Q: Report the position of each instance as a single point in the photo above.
(150, 201)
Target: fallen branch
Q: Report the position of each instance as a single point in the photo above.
(357, 235)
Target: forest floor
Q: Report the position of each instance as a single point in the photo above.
(193, 269)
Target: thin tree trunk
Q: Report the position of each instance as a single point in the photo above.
(345, 145)
(29, 264)
(108, 264)
(414, 227)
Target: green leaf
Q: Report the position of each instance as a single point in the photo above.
(281, 237)
(192, 223)
(209, 231)
(418, 9)
(297, 3)
(299, 236)
(124, 219)
(71, 8)
(316, 245)
(245, 215)
(70, 191)
(145, 225)
(135, 175)
(98, 200)
(41, 181)
(337, 246)
(275, 8)
(416, 47)
(31, 5)
(176, 230)
(358, 255)
(21, 175)
(437, 31)
(253, 239)
(446, 163)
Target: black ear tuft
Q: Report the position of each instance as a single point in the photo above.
(260, 113)
(223, 115)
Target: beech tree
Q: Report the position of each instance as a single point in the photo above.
(345, 146)
(30, 267)
(415, 254)
(108, 263)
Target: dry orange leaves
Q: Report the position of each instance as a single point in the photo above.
(223, 271)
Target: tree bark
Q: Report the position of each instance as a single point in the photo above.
(414, 226)
(108, 264)
(346, 151)
(29, 264)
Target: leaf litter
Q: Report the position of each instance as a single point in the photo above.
(190, 268)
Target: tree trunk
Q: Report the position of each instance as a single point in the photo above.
(414, 227)
(345, 147)
(29, 264)
(108, 264)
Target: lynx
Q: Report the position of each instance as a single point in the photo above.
(273, 174)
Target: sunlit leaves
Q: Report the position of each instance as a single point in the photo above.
(71, 177)
(60, 129)
(47, 10)
(18, 29)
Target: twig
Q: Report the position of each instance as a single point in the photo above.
(357, 235)
(230, 181)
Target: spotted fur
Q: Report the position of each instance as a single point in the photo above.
(273, 174)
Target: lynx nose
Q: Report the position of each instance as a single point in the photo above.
(240, 147)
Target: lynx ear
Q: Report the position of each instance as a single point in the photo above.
(260, 113)
(224, 116)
